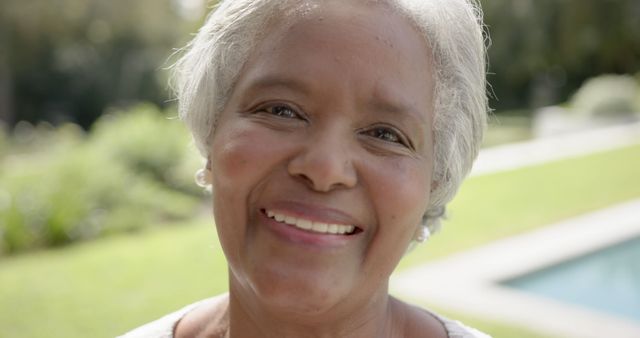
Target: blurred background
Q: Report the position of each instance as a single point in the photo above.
(101, 225)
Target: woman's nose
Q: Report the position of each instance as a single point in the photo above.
(324, 164)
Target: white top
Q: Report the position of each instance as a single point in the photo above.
(163, 327)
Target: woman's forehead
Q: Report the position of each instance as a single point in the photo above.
(346, 13)
(348, 37)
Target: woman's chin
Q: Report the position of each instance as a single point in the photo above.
(294, 278)
(299, 295)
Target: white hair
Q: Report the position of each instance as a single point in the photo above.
(207, 71)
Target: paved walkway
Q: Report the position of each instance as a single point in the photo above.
(468, 282)
(517, 155)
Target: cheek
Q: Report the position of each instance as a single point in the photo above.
(401, 191)
(231, 156)
(241, 154)
(241, 157)
(405, 187)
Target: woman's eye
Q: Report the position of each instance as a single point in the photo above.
(385, 134)
(282, 111)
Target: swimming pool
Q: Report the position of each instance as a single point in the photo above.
(606, 280)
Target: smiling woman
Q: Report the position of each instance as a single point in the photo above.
(335, 132)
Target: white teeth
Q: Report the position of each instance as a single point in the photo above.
(333, 229)
(312, 226)
(320, 227)
(304, 224)
(290, 220)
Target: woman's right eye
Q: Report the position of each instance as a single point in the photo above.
(282, 111)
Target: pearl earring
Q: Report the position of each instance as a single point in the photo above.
(422, 234)
(203, 178)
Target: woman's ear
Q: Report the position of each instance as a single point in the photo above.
(434, 185)
(208, 166)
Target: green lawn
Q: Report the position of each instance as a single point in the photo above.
(499, 205)
(106, 287)
(102, 288)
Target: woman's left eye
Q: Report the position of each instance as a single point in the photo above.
(282, 111)
(387, 134)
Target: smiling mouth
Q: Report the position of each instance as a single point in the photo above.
(311, 226)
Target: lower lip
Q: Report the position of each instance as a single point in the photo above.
(307, 238)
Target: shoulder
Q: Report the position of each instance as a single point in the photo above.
(208, 320)
(420, 320)
(164, 327)
(456, 329)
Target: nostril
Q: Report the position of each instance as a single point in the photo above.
(306, 180)
(323, 167)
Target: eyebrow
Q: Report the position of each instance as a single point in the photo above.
(276, 81)
(398, 108)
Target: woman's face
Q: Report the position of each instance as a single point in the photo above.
(322, 158)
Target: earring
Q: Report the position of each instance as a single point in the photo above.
(422, 234)
(203, 178)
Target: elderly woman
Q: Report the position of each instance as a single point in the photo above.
(335, 132)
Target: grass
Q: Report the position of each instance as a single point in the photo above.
(106, 287)
(103, 288)
(503, 204)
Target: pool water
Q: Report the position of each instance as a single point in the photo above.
(606, 280)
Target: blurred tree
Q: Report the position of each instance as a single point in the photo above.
(544, 49)
(69, 59)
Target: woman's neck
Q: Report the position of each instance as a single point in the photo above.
(378, 316)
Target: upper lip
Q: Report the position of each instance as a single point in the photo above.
(314, 213)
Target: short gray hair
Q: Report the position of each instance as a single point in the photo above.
(205, 75)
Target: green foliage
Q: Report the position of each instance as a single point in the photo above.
(4, 146)
(607, 95)
(543, 50)
(68, 60)
(149, 143)
(62, 186)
